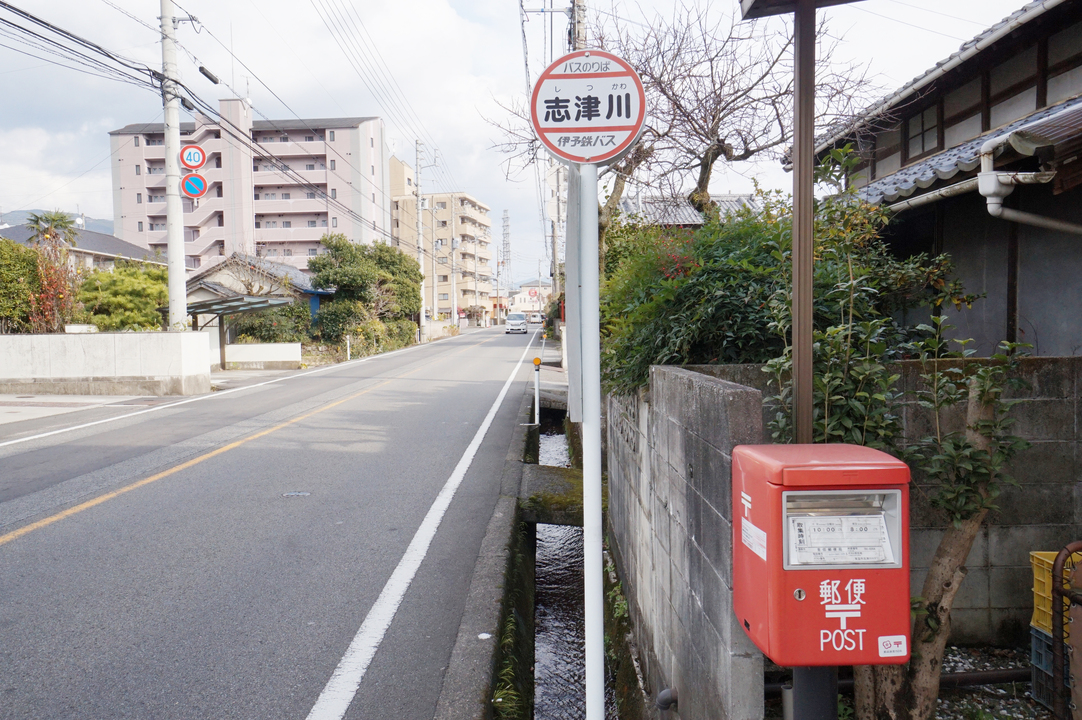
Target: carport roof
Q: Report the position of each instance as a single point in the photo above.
(237, 305)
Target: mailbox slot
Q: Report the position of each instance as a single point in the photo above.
(841, 529)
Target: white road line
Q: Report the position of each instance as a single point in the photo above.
(212, 395)
(334, 701)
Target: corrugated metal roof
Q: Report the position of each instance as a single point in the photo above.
(965, 158)
(260, 125)
(678, 212)
(969, 49)
(88, 241)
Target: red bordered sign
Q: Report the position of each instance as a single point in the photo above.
(194, 185)
(192, 157)
(588, 107)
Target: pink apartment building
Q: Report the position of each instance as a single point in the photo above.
(276, 187)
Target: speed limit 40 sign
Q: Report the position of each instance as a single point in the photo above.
(192, 157)
(588, 107)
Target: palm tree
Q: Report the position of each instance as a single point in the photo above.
(51, 229)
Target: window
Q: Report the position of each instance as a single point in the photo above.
(272, 223)
(221, 220)
(322, 166)
(332, 161)
(138, 169)
(256, 224)
(441, 261)
(321, 138)
(409, 181)
(136, 141)
(923, 133)
(395, 204)
(287, 223)
(332, 140)
(270, 196)
(139, 198)
(255, 168)
(334, 193)
(257, 196)
(285, 138)
(441, 206)
(157, 226)
(272, 253)
(312, 252)
(441, 278)
(444, 296)
(443, 223)
(323, 222)
(310, 166)
(334, 222)
(287, 252)
(140, 227)
(311, 223)
(309, 138)
(156, 198)
(285, 196)
(310, 196)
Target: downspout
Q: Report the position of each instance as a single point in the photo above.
(995, 186)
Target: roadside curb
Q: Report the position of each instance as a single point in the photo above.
(467, 684)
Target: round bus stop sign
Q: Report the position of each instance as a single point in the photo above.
(194, 185)
(588, 107)
(192, 157)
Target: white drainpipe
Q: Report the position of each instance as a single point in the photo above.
(995, 186)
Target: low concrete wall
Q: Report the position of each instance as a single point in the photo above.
(1044, 512)
(263, 356)
(670, 515)
(145, 363)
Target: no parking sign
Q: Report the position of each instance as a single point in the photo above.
(194, 185)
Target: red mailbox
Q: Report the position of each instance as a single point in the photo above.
(821, 553)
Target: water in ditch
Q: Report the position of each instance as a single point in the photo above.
(559, 653)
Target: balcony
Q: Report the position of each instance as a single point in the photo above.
(316, 149)
(279, 177)
(296, 234)
(279, 206)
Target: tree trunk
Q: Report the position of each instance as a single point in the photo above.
(700, 196)
(913, 694)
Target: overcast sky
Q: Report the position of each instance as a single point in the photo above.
(453, 62)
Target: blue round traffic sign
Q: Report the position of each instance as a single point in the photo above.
(194, 185)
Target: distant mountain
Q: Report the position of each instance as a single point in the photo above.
(19, 217)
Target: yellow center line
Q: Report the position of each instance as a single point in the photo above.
(45, 522)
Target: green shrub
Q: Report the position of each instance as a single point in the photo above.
(401, 333)
(290, 323)
(126, 297)
(338, 318)
(18, 281)
(720, 294)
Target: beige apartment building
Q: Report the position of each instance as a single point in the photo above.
(457, 247)
(275, 187)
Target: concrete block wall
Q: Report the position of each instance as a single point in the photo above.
(263, 356)
(670, 515)
(144, 363)
(1044, 512)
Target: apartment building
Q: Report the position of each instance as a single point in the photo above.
(457, 247)
(276, 187)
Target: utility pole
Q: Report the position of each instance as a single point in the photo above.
(435, 277)
(555, 241)
(421, 322)
(507, 247)
(578, 25)
(174, 211)
(454, 283)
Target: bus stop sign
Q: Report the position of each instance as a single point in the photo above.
(588, 107)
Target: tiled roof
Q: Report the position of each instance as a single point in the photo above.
(297, 279)
(88, 241)
(949, 163)
(967, 50)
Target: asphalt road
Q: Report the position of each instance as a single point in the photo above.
(154, 567)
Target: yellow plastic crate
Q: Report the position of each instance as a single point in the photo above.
(1042, 561)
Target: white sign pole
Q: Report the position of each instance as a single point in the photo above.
(590, 314)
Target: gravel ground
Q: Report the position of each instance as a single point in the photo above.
(1010, 701)
(985, 702)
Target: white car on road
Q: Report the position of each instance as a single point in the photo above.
(536, 318)
(516, 322)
